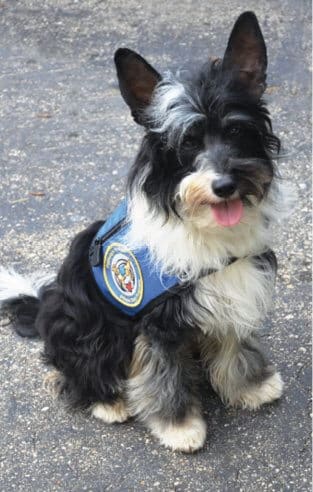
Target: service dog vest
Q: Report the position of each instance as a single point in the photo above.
(127, 278)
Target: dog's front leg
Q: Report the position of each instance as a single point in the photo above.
(161, 393)
(239, 371)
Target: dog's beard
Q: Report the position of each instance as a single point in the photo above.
(192, 242)
(198, 204)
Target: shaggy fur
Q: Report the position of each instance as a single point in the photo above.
(208, 142)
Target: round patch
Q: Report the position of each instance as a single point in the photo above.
(122, 275)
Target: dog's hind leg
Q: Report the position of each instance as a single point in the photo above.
(110, 413)
(239, 372)
(161, 393)
(85, 377)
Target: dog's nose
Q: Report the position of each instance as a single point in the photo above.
(224, 187)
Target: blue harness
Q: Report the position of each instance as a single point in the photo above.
(126, 278)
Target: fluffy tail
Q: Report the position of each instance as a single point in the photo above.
(20, 299)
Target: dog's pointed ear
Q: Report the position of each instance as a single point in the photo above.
(137, 80)
(246, 53)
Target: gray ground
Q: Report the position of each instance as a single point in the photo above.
(66, 144)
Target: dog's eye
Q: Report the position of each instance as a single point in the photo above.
(191, 142)
(234, 131)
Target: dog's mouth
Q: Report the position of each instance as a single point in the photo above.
(228, 213)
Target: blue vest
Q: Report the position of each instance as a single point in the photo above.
(126, 278)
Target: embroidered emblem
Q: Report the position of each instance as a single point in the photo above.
(122, 275)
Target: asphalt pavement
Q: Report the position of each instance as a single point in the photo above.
(67, 142)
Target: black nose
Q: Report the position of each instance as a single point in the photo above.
(224, 187)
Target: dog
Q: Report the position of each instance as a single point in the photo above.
(202, 198)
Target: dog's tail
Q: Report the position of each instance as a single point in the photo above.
(20, 299)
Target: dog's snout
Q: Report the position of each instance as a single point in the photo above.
(224, 187)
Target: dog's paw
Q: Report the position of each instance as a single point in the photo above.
(110, 414)
(53, 383)
(269, 390)
(187, 436)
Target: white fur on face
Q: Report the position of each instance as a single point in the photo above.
(194, 197)
(196, 189)
(173, 110)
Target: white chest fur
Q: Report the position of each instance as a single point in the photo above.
(235, 299)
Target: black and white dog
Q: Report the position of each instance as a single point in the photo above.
(202, 197)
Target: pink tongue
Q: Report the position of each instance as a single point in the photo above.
(228, 213)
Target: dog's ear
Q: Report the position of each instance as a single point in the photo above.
(137, 80)
(246, 53)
